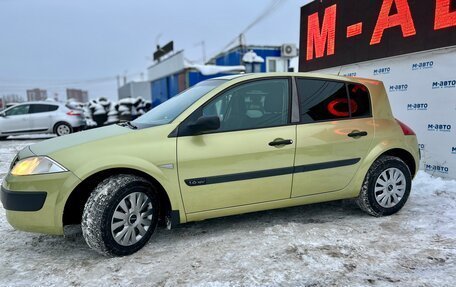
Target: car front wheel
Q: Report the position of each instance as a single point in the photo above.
(386, 187)
(120, 215)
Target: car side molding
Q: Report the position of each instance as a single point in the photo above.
(269, 172)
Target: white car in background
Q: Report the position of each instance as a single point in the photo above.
(41, 118)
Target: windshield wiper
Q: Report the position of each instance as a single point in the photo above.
(128, 124)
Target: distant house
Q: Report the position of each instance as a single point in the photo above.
(174, 74)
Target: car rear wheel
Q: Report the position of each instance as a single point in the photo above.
(386, 187)
(62, 129)
(120, 215)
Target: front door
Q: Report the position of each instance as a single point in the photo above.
(333, 137)
(15, 120)
(249, 159)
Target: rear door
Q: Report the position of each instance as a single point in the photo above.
(249, 159)
(41, 116)
(333, 136)
(16, 120)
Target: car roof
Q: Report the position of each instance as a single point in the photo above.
(40, 102)
(230, 77)
(295, 74)
(34, 103)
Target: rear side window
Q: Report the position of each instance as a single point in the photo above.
(360, 99)
(40, 108)
(322, 100)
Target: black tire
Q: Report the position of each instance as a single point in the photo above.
(98, 214)
(2, 138)
(367, 198)
(59, 129)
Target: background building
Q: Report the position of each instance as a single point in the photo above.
(135, 90)
(36, 95)
(258, 59)
(174, 74)
(78, 95)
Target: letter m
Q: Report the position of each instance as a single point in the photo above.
(318, 39)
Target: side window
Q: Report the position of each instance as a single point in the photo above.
(259, 104)
(360, 101)
(19, 110)
(40, 108)
(322, 100)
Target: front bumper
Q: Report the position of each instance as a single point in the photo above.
(22, 201)
(36, 203)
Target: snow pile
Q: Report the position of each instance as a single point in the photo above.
(209, 70)
(252, 57)
(101, 111)
(329, 244)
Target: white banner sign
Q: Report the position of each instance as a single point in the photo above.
(422, 92)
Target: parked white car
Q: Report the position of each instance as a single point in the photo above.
(40, 117)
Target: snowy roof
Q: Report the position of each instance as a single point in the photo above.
(209, 70)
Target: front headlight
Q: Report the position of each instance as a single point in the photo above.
(36, 165)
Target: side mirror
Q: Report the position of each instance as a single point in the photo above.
(205, 124)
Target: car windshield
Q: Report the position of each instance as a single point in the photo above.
(172, 108)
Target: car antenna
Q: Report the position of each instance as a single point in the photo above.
(340, 70)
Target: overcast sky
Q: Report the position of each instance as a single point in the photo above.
(54, 44)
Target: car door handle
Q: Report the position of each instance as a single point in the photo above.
(280, 142)
(357, 134)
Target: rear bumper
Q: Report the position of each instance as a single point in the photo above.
(76, 122)
(80, 128)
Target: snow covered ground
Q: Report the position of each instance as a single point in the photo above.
(331, 244)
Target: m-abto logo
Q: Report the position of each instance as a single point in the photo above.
(417, 107)
(382, 71)
(423, 65)
(453, 150)
(352, 74)
(439, 128)
(437, 168)
(444, 84)
(398, 88)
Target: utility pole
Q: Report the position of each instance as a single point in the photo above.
(242, 43)
(203, 47)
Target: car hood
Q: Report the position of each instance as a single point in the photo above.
(50, 146)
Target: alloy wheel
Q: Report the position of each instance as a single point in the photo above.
(63, 130)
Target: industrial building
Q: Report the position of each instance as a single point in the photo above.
(168, 77)
(135, 90)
